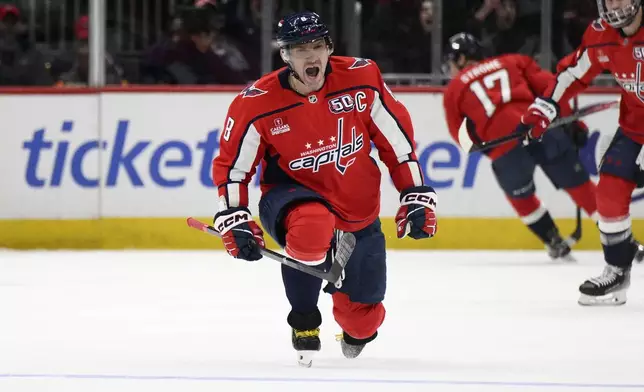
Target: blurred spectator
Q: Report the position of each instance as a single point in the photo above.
(493, 22)
(72, 69)
(525, 38)
(237, 41)
(394, 36)
(21, 64)
(191, 59)
(415, 56)
(577, 15)
(152, 67)
(495, 15)
(418, 57)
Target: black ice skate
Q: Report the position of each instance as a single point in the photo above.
(607, 289)
(307, 343)
(352, 347)
(558, 248)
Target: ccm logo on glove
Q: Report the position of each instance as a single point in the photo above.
(426, 199)
(225, 223)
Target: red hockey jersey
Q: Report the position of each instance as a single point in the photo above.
(604, 48)
(493, 95)
(321, 141)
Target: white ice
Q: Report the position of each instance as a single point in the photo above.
(201, 321)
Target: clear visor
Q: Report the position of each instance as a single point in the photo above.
(618, 17)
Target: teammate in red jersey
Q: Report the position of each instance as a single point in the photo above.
(613, 43)
(311, 125)
(491, 94)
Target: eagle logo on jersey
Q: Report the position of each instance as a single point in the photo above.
(359, 63)
(252, 91)
(333, 153)
(598, 25)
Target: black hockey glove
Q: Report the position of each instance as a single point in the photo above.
(241, 235)
(416, 216)
(578, 133)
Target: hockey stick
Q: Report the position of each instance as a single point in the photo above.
(468, 144)
(575, 236)
(344, 248)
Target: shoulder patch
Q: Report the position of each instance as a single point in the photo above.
(598, 25)
(359, 63)
(252, 91)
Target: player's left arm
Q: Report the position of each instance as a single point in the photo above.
(574, 74)
(539, 80)
(392, 132)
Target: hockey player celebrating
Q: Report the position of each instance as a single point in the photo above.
(613, 43)
(490, 94)
(311, 124)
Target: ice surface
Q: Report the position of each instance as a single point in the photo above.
(201, 321)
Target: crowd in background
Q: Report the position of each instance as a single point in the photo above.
(218, 41)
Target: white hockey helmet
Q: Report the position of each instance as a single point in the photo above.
(620, 17)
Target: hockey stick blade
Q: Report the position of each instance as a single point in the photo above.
(468, 144)
(343, 251)
(332, 276)
(575, 236)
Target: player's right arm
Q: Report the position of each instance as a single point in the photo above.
(240, 149)
(576, 72)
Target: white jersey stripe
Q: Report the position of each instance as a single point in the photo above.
(246, 157)
(388, 126)
(567, 77)
(416, 174)
(232, 189)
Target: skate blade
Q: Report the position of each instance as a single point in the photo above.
(639, 255)
(305, 358)
(568, 258)
(616, 298)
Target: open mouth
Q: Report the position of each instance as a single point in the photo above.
(312, 71)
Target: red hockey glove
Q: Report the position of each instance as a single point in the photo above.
(416, 216)
(540, 114)
(241, 235)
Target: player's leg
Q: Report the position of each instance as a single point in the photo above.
(566, 171)
(514, 172)
(557, 156)
(357, 305)
(299, 220)
(617, 179)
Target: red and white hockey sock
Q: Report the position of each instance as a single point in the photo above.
(613, 204)
(535, 216)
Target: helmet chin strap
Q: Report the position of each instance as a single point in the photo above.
(289, 65)
(295, 75)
